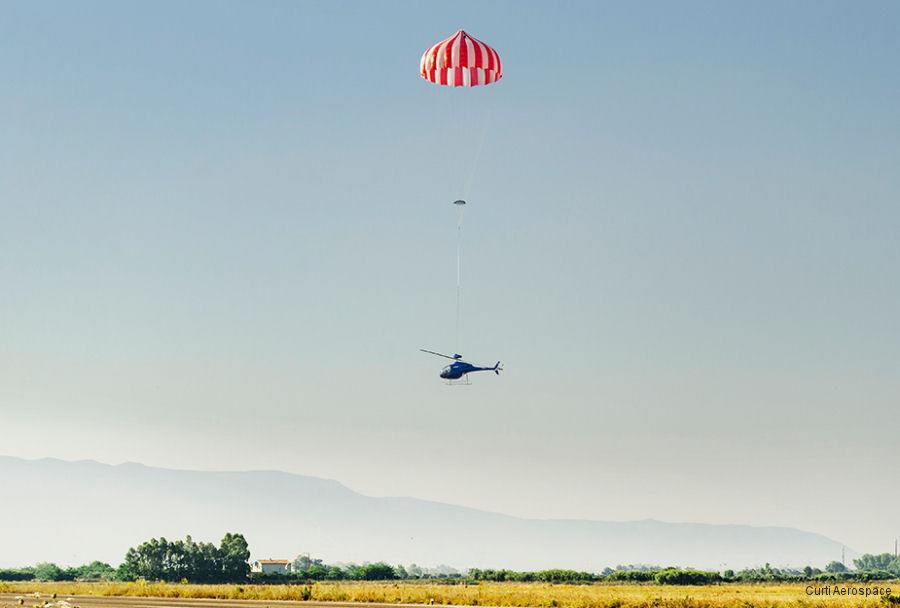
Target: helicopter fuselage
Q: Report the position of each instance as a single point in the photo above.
(457, 370)
(460, 368)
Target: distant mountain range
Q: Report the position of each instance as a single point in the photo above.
(75, 512)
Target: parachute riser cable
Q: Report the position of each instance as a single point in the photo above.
(486, 123)
(460, 205)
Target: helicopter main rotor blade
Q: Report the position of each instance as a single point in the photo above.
(431, 352)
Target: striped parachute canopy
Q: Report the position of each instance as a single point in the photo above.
(461, 61)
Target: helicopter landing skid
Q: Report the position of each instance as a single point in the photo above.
(464, 381)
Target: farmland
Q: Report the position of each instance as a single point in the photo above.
(732, 595)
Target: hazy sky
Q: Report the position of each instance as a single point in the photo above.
(226, 230)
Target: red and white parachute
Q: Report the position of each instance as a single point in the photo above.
(461, 61)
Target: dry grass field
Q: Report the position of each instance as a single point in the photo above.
(731, 595)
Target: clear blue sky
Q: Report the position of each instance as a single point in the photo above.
(226, 229)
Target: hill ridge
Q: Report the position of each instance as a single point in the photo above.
(108, 508)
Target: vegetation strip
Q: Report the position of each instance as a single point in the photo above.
(598, 595)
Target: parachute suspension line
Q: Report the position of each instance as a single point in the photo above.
(484, 130)
(460, 205)
(454, 138)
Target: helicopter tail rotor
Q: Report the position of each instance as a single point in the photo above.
(497, 368)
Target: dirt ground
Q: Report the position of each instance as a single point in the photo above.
(11, 600)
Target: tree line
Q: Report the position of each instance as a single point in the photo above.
(157, 559)
(189, 561)
(51, 572)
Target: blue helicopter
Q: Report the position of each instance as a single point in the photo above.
(460, 368)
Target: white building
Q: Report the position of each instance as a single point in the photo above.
(271, 565)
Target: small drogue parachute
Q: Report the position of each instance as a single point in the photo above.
(461, 61)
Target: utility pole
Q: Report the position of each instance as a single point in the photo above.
(842, 555)
(308, 566)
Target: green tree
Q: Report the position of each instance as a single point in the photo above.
(335, 574)
(377, 572)
(835, 567)
(676, 576)
(20, 574)
(48, 572)
(302, 563)
(196, 562)
(126, 571)
(318, 572)
(234, 555)
(883, 561)
(96, 570)
(205, 563)
(149, 559)
(176, 563)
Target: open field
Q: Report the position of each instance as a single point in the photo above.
(140, 595)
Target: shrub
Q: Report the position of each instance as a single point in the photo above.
(675, 576)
